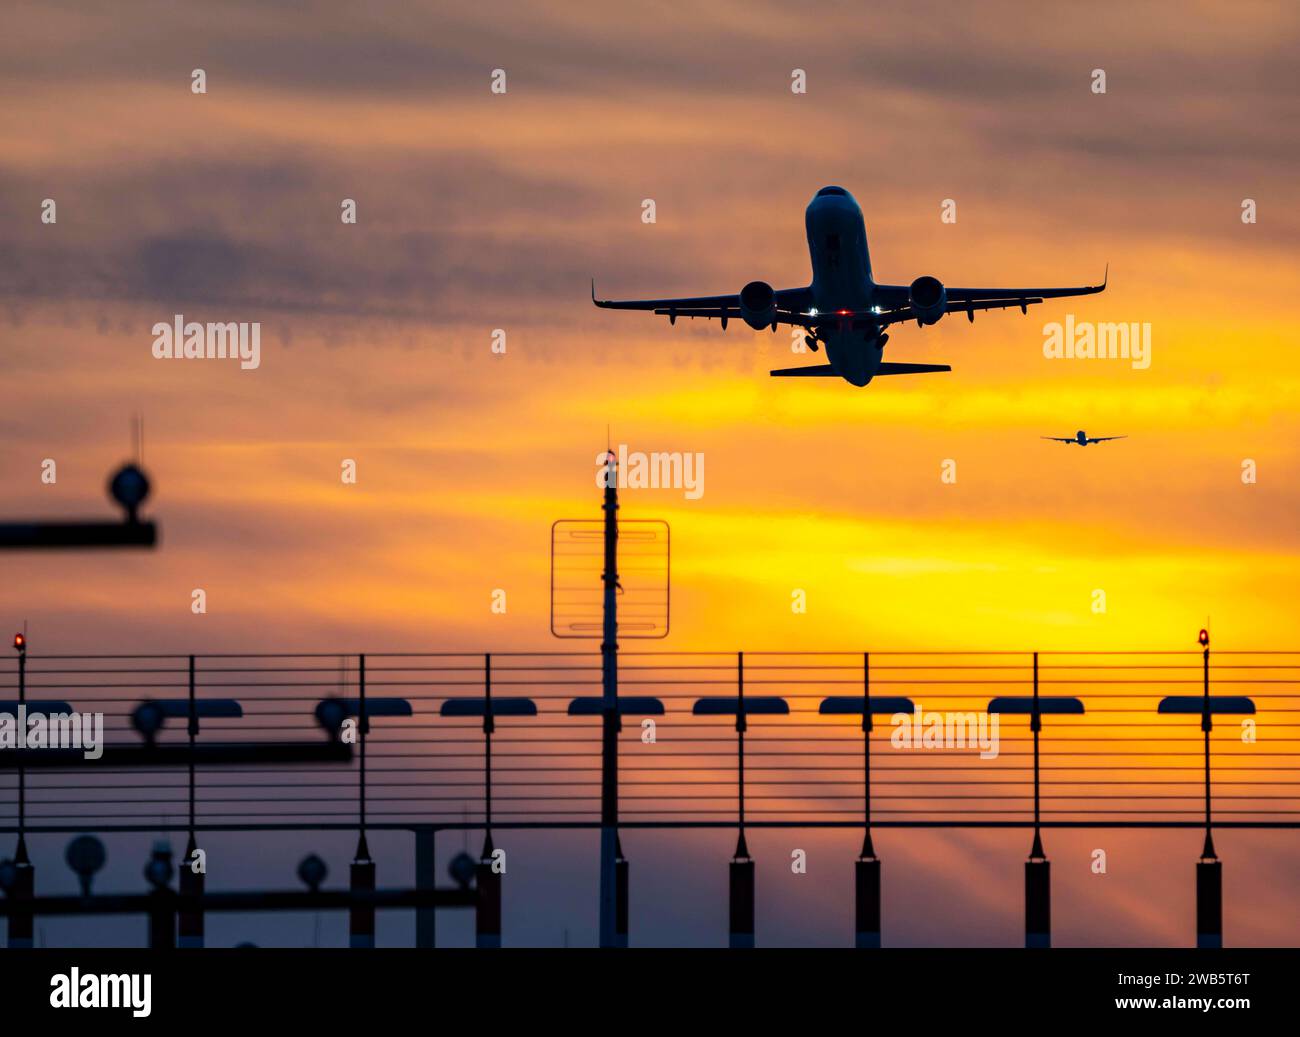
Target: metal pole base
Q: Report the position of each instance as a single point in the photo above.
(866, 879)
(20, 922)
(487, 916)
(742, 904)
(191, 918)
(361, 918)
(162, 920)
(1209, 904)
(1038, 904)
(621, 872)
(426, 877)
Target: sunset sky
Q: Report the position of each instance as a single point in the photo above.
(481, 211)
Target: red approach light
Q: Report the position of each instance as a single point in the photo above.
(20, 642)
(1203, 638)
(843, 313)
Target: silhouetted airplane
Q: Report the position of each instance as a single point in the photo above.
(844, 307)
(1082, 438)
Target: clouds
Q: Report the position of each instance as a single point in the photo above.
(479, 212)
(473, 204)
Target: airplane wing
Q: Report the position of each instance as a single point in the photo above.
(1060, 439)
(790, 303)
(967, 300)
(1104, 439)
(793, 305)
(793, 308)
(886, 317)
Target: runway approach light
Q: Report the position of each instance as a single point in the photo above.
(129, 487)
(1203, 638)
(20, 643)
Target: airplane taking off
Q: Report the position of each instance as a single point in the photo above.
(1082, 438)
(843, 307)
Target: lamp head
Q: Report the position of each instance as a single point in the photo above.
(312, 872)
(462, 869)
(85, 856)
(158, 871)
(129, 487)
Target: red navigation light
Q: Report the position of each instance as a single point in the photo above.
(843, 313)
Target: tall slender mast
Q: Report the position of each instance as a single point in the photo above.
(609, 715)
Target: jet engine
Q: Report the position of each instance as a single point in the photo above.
(758, 305)
(928, 298)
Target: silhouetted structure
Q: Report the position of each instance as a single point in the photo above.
(1038, 873)
(487, 875)
(1209, 869)
(867, 868)
(741, 870)
(1092, 779)
(128, 487)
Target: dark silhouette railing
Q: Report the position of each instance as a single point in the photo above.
(1120, 762)
(432, 741)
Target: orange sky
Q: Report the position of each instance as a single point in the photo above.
(479, 212)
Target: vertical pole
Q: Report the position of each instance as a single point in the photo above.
(363, 722)
(741, 871)
(1207, 723)
(24, 887)
(621, 915)
(426, 877)
(1038, 870)
(610, 720)
(1209, 869)
(191, 881)
(162, 899)
(866, 870)
(162, 920)
(489, 726)
(1035, 726)
(22, 774)
(487, 914)
(361, 917)
(868, 850)
(741, 725)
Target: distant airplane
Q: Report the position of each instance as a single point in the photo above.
(844, 307)
(1082, 438)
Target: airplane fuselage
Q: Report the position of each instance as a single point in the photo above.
(841, 268)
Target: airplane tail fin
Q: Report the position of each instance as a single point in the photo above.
(888, 368)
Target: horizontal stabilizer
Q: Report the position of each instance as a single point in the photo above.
(816, 371)
(887, 368)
